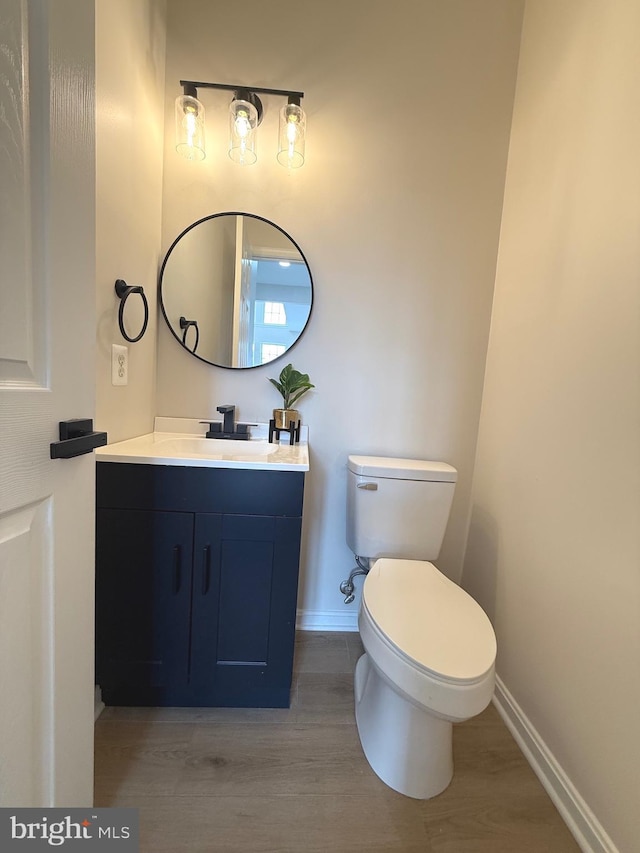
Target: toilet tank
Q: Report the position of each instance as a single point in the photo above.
(398, 507)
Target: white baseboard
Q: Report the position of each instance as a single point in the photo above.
(98, 704)
(582, 823)
(327, 620)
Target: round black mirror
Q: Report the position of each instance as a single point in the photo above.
(236, 290)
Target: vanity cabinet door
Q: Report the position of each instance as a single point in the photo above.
(244, 604)
(144, 575)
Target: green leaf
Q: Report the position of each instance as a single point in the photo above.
(292, 385)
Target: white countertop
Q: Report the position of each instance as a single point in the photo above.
(187, 446)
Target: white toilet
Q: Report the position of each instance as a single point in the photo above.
(429, 647)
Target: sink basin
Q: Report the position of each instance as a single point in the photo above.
(214, 447)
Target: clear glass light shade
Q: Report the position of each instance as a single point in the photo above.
(293, 124)
(190, 127)
(242, 132)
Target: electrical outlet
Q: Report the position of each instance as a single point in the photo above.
(119, 364)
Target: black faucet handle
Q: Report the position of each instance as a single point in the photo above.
(215, 427)
(243, 429)
(224, 410)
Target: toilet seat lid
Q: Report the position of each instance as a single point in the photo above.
(430, 620)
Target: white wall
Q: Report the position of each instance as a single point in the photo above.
(397, 210)
(554, 547)
(130, 47)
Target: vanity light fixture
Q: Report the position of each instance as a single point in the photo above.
(245, 114)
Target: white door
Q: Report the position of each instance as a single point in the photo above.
(47, 341)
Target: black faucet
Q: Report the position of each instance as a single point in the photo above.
(228, 428)
(228, 413)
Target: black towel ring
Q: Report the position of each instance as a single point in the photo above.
(123, 290)
(186, 325)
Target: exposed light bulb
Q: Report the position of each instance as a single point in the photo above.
(292, 129)
(242, 143)
(291, 136)
(190, 127)
(190, 124)
(243, 127)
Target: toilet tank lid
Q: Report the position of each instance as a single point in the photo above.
(402, 469)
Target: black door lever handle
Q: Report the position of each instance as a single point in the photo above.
(76, 437)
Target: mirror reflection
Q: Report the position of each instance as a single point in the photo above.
(235, 290)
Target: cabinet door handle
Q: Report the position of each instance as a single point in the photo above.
(206, 568)
(177, 569)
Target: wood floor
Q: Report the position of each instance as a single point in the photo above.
(274, 781)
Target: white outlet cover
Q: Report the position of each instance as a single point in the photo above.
(119, 364)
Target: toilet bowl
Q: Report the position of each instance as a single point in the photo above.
(429, 662)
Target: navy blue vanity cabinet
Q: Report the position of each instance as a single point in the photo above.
(197, 576)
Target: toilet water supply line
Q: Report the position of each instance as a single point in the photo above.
(347, 587)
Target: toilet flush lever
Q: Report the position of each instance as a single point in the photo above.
(370, 487)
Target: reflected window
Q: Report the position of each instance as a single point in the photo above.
(274, 314)
(270, 351)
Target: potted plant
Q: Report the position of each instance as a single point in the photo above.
(292, 385)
